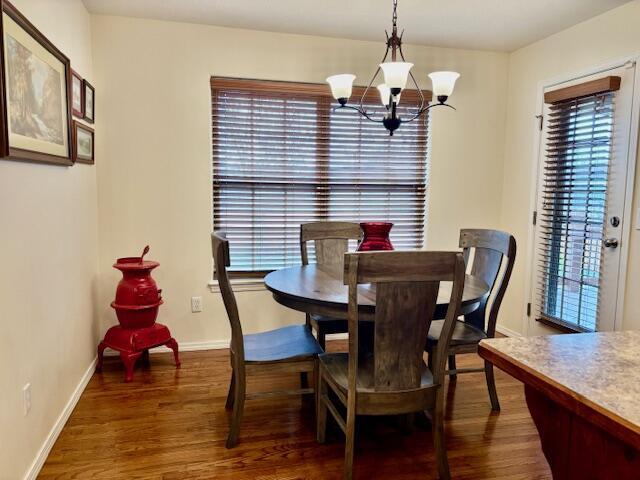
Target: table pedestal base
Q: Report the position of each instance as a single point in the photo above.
(132, 343)
(575, 448)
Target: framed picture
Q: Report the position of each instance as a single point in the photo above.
(89, 95)
(35, 92)
(77, 98)
(83, 149)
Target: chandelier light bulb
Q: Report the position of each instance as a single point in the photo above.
(385, 94)
(443, 83)
(341, 86)
(395, 74)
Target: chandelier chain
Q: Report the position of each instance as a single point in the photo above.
(395, 12)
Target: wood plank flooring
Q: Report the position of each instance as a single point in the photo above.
(171, 424)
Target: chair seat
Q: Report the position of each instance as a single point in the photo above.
(281, 344)
(328, 325)
(463, 333)
(337, 368)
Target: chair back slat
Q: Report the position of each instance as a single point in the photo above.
(407, 285)
(403, 315)
(221, 260)
(331, 241)
(330, 251)
(494, 251)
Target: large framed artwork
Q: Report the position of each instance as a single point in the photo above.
(35, 93)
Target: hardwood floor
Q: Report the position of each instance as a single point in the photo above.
(171, 424)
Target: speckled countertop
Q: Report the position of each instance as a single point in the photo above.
(602, 369)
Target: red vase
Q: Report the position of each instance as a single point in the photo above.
(137, 296)
(376, 236)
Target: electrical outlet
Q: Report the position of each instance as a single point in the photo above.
(26, 397)
(196, 304)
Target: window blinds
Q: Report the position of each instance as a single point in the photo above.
(281, 157)
(574, 200)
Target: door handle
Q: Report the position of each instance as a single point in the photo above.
(610, 242)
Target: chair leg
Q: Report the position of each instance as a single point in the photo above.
(304, 380)
(321, 409)
(452, 367)
(350, 433)
(322, 339)
(437, 427)
(491, 386)
(238, 410)
(232, 386)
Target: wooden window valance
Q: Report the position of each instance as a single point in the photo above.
(283, 88)
(593, 87)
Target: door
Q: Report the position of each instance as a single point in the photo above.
(581, 193)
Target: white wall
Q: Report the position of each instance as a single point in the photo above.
(154, 152)
(48, 256)
(603, 39)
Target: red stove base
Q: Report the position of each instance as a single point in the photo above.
(132, 343)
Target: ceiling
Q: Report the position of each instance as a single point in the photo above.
(503, 25)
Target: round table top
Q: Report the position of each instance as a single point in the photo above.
(320, 289)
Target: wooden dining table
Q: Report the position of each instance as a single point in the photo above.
(320, 289)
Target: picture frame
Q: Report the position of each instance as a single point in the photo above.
(88, 101)
(83, 143)
(35, 94)
(77, 95)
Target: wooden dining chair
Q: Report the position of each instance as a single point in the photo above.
(291, 349)
(493, 251)
(394, 379)
(331, 242)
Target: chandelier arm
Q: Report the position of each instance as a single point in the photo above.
(359, 110)
(426, 109)
(372, 79)
(415, 82)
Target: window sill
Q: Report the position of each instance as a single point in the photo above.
(240, 285)
(564, 327)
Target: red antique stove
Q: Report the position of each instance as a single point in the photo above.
(137, 302)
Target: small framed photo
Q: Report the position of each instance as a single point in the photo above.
(83, 143)
(77, 95)
(88, 92)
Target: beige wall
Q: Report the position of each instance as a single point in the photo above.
(48, 252)
(603, 39)
(154, 151)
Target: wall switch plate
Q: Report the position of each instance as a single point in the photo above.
(196, 304)
(26, 397)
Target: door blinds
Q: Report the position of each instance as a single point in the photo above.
(579, 130)
(282, 157)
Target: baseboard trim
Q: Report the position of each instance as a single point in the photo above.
(183, 347)
(42, 455)
(507, 331)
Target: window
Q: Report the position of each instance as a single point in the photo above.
(282, 157)
(573, 214)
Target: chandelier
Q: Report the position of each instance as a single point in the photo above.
(396, 73)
